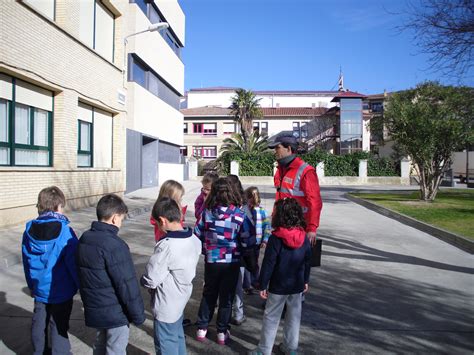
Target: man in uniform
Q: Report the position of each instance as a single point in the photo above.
(296, 178)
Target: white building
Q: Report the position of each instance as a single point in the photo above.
(155, 85)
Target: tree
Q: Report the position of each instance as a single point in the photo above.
(444, 29)
(245, 108)
(255, 143)
(428, 123)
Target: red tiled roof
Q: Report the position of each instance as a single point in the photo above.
(348, 94)
(267, 111)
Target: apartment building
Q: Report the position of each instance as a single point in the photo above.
(316, 117)
(155, 86)
(61, 119)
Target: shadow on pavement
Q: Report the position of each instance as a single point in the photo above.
(383, 256)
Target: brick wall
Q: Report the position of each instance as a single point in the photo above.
(35, 49)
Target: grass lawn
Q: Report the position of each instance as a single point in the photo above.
(452, 210)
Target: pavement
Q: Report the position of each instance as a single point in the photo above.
(383, 287)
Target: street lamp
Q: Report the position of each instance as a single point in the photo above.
(152, 28)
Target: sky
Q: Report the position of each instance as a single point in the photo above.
(301, 45)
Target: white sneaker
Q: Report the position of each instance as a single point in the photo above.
(201, 334)
(223, 338)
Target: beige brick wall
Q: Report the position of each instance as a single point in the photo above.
(49, 54)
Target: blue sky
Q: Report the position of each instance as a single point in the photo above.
(301, 44)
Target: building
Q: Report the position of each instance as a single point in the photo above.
(62, 121)
(313, 116)
(154, 88)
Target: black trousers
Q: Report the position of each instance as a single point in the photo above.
(220, 280)
(52, 319)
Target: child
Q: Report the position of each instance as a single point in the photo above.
(48, 249)
(256, 222)
(219, 229)
(284, 276)
(174, 190)
(207, 181)
(169, 274)
(108, 284)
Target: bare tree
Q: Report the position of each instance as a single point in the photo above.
(444, 29)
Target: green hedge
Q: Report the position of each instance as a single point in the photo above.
(252, 164)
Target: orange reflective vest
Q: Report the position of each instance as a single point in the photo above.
(287, 183)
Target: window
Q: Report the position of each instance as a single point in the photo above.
(351, 125)
(143, 75)
(256, 127)
(46, 7)
(197, 127)
(96, 27)
(209, 129)
(84, 149)
(183, 151)
(304, 130)
(264, 128)
(206, 152)
(229, 128)
(185, 128)
(296, 129)
(25, 123)
(95, 130)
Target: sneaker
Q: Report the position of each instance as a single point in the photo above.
(201, 334)
(235, 321)
(223, 338)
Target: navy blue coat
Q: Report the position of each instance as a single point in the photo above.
(108, 284)
(285, 270)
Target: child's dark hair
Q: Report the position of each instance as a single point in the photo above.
(221, 194)
(288, 214)
(109, 205)
(253, 196)
(49, 199)
(236, 186)
(166, 208)
(209, 178)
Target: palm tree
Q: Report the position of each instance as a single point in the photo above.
(245, 108)
(255, 143)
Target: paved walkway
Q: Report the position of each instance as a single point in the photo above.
(383, 288)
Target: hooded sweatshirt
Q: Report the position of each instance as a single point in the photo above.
(286, 265)
(219, 229)
(48, 249)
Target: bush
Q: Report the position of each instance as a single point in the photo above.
(261, 164)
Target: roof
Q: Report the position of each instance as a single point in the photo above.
(347, 95)
(267, 111)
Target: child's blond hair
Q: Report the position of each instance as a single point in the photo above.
(171, 189)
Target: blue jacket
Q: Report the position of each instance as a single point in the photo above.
(48, 249)
(286, 265)
(108, 283)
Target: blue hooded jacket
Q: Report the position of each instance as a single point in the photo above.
(48, 250)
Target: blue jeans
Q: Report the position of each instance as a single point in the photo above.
(169, 337)
(111, 341)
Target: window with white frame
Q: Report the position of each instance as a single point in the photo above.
(185, 128)
(96, 27)
(207, 129)
(25, 123)
(206, 152)
(229, 128)
(296, 129)
(95, 136)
